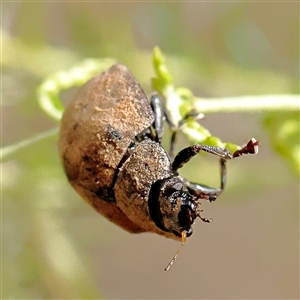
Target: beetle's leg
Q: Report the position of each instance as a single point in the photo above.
(187, 153)
(174, 129)
(205, 192)
(159, 113)
(155, 131)
(199, 190)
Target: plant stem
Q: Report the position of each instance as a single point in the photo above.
(212, 105)
(265, 103)
(7, 151)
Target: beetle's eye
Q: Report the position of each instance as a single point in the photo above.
(186, 217)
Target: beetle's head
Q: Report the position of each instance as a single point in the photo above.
(172, 208)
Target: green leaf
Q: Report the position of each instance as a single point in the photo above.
(180, 102)
(164, 78)
(284, 133)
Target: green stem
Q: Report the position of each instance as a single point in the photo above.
(48, 91)
(7, 151)
(256, 104)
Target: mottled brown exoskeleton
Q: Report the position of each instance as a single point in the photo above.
(110, 146)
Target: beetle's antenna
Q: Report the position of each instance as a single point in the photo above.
(183, 239)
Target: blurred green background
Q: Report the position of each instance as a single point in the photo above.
(55, 247)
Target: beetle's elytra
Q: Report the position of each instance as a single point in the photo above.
(110, 149)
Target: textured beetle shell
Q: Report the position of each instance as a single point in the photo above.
(96, 130)
(146, 164)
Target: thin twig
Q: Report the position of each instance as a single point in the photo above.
(261, 103)
(7, 151)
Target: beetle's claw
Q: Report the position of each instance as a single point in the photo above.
(250, 148)
(206, 220)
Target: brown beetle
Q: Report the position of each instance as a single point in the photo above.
(110, 146)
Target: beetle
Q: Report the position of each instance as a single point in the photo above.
(110, 148)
